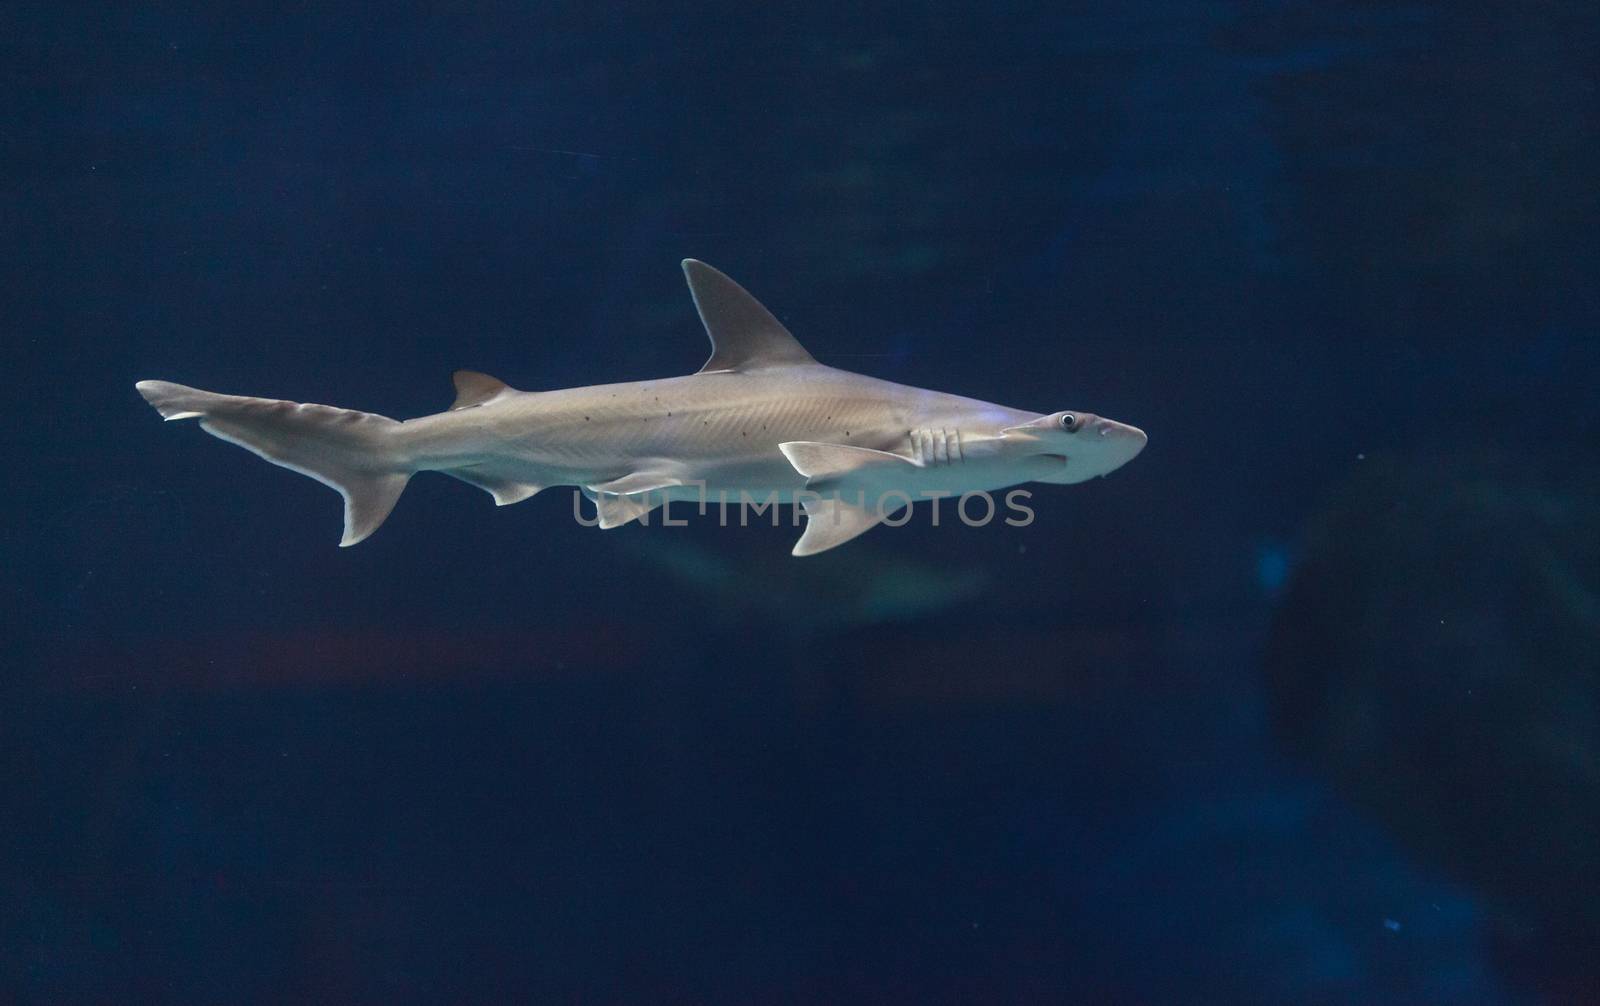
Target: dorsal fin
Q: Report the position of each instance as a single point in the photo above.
(473, 388)
(743, 333)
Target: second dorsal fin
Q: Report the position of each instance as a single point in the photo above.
(473, 388)
(743, 333)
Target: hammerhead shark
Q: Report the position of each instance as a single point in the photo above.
(761, 421)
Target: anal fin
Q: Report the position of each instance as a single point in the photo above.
(505, 491)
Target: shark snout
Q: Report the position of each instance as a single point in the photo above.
(1093, 448)
(1122, 441)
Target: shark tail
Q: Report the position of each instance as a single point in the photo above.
(356, 453)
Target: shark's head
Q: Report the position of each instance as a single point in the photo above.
(1082, 444)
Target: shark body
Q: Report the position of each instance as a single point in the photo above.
(761, 420)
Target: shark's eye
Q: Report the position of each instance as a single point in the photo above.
(1069, 422)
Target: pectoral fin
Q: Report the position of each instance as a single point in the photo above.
(832, 521)
(820, 462)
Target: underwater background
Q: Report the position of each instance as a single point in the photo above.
(1303, 705)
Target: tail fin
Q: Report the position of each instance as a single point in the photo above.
(353, 452)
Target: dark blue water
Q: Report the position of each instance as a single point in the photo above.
(1299, 706)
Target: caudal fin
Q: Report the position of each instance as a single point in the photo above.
(354, 452)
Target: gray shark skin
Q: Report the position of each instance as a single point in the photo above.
(761, 420)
